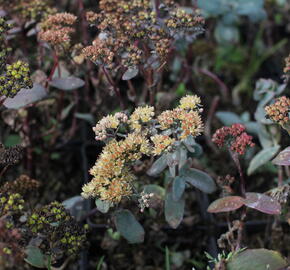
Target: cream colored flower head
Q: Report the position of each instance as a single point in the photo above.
(190, 102)
(109, 122)
(141, 115)
(162, 143)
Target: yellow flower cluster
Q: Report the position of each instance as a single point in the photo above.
(141, 115)
(112, 176)
(109, 122)
(143, 135)
(186, 117)
(190, 102)
(162, 143)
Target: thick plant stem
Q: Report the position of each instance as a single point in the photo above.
(242, 179)
(243, 193)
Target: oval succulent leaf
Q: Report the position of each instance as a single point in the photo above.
(158, 166)
(258, 259)
(262, 158)
(130, 73)
(174, 210)
(103, 206)
(67, 84)
(129, 227)
(178, 188)
(226, 204)
(35, 257)
(198, 179)
(283, 158)
(262, 203)
(26, 97)
(228, 118)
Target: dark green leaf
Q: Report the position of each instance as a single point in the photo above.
(258, 259)
(178, 188)
(198, 179)
(174, 210)
(129, 227)
(103, 206)
(158, 166)
(35, 257)
(262, 158)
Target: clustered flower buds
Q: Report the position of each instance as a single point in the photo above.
(13, 77)
(64, 236)
(16, 77)
(10, 155)
(56, 29)
(11, 204)
(130, 138)
(234, 137)
(279, 111)
(28, 10)
(144, 200)
(129, 31)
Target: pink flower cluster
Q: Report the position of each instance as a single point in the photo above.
(234, 137)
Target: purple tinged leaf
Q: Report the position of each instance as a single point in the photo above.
(283, 158)
(26, 97)
(226, 204)
(67, 84)
(262, 203)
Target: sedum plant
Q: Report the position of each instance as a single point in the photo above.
(170, 137)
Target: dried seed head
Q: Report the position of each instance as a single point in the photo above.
(10, 155)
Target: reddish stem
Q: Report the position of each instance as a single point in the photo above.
(115, 88)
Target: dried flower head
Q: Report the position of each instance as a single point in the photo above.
(280, 194)
(234, 137)
(56, 29)
(4, 49)
(11, 155)
(124, 26)
(279, 111)
(23, 185)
